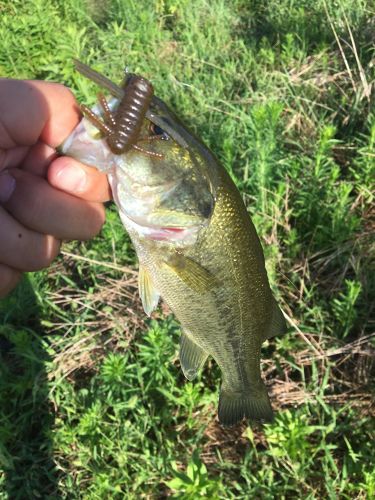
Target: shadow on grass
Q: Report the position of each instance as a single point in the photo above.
(28, 469)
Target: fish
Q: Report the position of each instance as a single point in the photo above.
(197, 248)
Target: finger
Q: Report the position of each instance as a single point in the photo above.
(23, 249)
(42, 208)
(30, 110)
(8, 279)
(12, 157)
(34, 159)
(80, 180)
(38, 159)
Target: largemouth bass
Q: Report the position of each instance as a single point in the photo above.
(197, 248)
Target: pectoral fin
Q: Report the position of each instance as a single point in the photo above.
(149, 295)
(192, 357)
(191, 273)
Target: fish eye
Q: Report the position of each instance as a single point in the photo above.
(156, 130)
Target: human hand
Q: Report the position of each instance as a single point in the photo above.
(43, 199)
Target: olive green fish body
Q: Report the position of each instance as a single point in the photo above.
(231, 319)
(197, 249)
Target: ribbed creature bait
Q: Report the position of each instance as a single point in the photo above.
(122, 128)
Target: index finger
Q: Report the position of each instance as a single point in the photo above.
(32, 110)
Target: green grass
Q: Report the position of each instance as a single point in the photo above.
(93, 404)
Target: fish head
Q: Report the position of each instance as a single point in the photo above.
(164, 187)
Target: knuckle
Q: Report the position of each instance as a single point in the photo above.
(65, 92)
(68, 92)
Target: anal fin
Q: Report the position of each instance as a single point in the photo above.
(192, 357)
(149, 296)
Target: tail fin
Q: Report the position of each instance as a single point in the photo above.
(234, 406)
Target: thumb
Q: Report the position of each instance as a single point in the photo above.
(78, 179)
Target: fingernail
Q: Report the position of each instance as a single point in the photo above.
(7, 185)
(71, 178)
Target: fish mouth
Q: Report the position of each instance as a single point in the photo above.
(170, 233)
